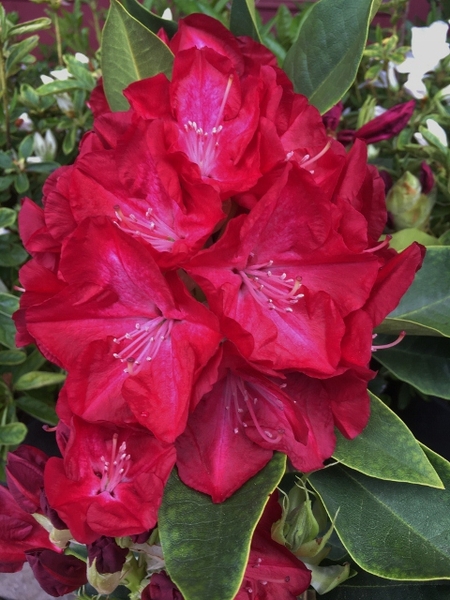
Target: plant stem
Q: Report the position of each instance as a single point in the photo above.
(96, 22)
(3, 87)
(57, 37)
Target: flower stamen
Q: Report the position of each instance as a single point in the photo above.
(201, 145)
(150, 228)
(277, 292)
(116, 468)
(391, 345)
(143, 343)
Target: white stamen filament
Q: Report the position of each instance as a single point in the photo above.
(150, 228)
(277, 292)
(143, 343)
(116, 468)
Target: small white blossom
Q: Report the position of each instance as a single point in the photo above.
(167, 14)
(434, 128)
(26, 124)
(82, 58)
(428, 48)
(44, 148)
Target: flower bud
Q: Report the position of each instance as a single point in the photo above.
(25, 476)
(161, 587)
(57, 574)
(104, 583)
(408, 206)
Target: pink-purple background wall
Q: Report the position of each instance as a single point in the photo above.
(28, 10)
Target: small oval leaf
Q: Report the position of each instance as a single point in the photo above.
(12, 434)
(38, 379)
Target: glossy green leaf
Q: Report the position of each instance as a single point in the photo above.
(7, 217)
(12, 357)
(206, 545)
(12, 434)
(368, 587)
(17, 52)
(422, 361)
(394, 530)
(149, 19)
(425, 308)
(8, 305)
(323, 61)
(38, 379)
(243, 19)
(38, 409)
(130, 52)
(386, 449)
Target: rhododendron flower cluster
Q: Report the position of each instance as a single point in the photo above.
(209, 274)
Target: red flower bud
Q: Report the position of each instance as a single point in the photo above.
(57, 574)
(161, 587)
(110, 557)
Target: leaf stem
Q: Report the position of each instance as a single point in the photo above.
(4, 89)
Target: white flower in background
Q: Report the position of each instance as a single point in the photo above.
(387, 79)
(434, 128)
(167, 14)
(82, 58)
(26, 124)
(428, 48)
(44, 148)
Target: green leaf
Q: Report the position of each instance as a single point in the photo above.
(38, 379)
(323, 61)
(12, 434)
(368, 587)
(386, 449)
(38, 409)
(8, 305)
(26, 146)
(30, 26)
(21, 184)
(393, 530)
(130, 52)
(60, 86)
(425, 308)
(5, 182)
(7, 217)
(17, 53)
(404, 238)
(11, 254)
(12, 357)
(34, 362)
(148, 19)
(243, 19)
(206, 545)
(423, 362)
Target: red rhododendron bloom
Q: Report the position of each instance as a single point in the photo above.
(123, 331)
(110, 481)
(209, 272)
